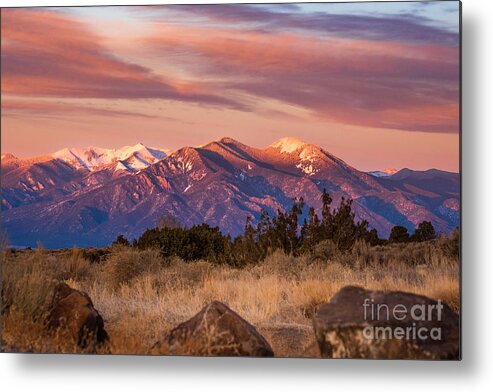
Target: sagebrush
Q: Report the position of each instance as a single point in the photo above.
(142, 295)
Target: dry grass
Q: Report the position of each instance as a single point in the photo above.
(141, 296)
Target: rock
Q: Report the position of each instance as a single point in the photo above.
(73, 311)
(359, 323)
(217, 331)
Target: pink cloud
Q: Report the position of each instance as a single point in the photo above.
(48, 109)
(407, 85)
(50, 54)
(388, 84)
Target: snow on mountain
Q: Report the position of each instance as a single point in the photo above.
(128, 158)
(307, 158)
(383, 173)
(120, 166)
(287, 145)
(123, 191)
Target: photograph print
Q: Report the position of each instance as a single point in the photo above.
(266, 180)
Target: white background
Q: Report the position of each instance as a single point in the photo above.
(130, 373)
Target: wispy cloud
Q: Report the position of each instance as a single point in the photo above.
(381, 84)
(400, 27)
(379, 71)
(23, 108)
(49, 54)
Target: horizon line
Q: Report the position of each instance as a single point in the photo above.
(169, 152)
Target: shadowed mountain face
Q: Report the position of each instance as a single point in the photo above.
(88, 200)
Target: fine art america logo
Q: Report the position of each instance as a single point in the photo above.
(416, 322)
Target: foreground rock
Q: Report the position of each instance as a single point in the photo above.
(217, 331)
(73, 313)
(359, 323)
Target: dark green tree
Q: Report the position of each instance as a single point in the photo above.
(245, 248)
(197, 242)
(345, 231)
(424, 232)
(399, 234)
(121, 240)
(282, 231)
(327, 224)
(310, 231)
(371, 236)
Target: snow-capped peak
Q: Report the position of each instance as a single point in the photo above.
(288, 144)
(134, 157)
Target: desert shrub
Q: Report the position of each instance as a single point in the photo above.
(179, 273)
(362, 254)
(95, 255)
(429, 253)
(198, 242)
(282, 293)
(325, 251)
(73, 266)
(283, 265)
(450, 246)
(28, 277)
(126, 264)
(27, 284)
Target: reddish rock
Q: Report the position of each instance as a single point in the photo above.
(217, 331)
(73, 311)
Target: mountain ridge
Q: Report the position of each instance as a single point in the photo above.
(220, 183)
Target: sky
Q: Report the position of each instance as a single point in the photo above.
(376, 84)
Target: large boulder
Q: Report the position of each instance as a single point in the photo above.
(359, 323)
(217, 331)
(73, 312)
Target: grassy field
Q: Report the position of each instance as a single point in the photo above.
(141, 295)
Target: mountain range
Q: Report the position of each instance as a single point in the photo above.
(87, 197)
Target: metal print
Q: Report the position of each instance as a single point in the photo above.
(270, 180)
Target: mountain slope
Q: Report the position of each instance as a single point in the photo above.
(221, 183)
(28, 181)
